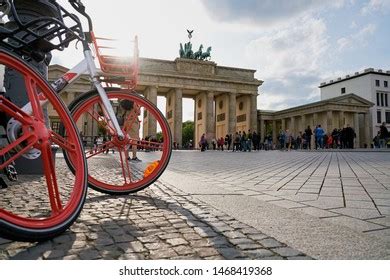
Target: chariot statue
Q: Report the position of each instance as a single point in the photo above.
(188, 53)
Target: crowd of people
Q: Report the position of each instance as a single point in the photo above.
(338, 138)
(240, 141)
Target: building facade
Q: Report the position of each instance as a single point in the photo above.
(370, 84)
(331, 113)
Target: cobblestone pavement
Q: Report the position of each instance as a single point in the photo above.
(157, 223)
(224, 205)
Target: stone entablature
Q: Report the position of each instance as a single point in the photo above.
(347, 103)
(197, 75)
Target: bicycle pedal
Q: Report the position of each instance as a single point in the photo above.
(11, 173)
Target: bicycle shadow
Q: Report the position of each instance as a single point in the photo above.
(125, 227)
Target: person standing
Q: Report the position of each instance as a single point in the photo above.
(350, 135)
(244, 140)
(236, 143)
(132, 126)
(308, 134)
(383, 135)
(202, 143)
(319, 135)
(249, 141)
(226, 142)
(288, 139)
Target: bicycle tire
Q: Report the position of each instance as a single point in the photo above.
(87, 98)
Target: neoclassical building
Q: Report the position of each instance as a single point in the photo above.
(331, 113)
(370, 84)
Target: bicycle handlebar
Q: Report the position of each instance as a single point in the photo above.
(80, 8)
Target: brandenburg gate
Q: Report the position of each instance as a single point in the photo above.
(225, 98)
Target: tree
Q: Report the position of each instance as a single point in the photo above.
(188, 133)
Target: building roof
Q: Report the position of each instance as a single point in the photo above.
(356, 75)
(346, 100)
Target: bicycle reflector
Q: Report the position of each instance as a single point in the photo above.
(150, 168)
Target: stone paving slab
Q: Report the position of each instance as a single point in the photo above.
(342, 188)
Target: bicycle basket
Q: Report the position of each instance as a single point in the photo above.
(43, 33)
(116, 69)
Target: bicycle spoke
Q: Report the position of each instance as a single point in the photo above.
(94, 115)
(100, 149)
(106, 120)
(51, 178)
(33, 96)
(129, 121)
(125, 164)
(14, 111)
(15, 144)
(147, 144)
(62, 142)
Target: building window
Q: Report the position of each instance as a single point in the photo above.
(378, 116)
(377, 83)
(385, 84)
(387, 116)
(382, 100)
(386, 101)
(55, 126)
(343, 90)
(378, 99)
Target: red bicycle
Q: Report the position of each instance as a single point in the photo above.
(125, 160)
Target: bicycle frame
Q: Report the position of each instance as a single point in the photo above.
(86, 66)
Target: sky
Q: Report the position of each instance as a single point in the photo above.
(293, 45)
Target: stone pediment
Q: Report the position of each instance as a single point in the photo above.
(350, 99)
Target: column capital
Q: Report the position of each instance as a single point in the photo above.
(210, 94)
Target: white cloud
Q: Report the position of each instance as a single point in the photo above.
(358, 39)
(290, 61)
(267, 11)
(353, 25)
(372, 6)
(296, 49)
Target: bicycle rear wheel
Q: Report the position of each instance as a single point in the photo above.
(111, 168)
(39, 206)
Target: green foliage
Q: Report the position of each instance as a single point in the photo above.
(188, 132)
(159, 136)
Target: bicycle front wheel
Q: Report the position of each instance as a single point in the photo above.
(44, 203)
(121, 166)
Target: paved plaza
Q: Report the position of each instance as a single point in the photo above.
(224, 205)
